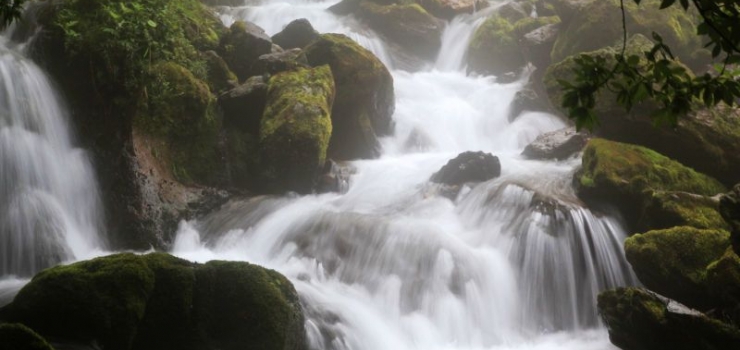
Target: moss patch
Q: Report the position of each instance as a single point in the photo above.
(296, 127)
(673, 261)
(15, 336)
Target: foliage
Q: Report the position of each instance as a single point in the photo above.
(654, 74)
(10, 10)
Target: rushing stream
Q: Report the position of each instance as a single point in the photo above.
(513, 263)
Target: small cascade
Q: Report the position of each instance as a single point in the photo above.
(50, 209)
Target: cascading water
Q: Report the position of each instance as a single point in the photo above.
(49, 202)
(513, 263)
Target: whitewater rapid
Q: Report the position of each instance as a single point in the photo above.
(513, 263)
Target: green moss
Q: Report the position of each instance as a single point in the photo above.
(673, 261)
(668, 209)
(180, 110)
(723, 282)
(633, 169)
(158, 301)
(599, 22)
(296, 127)
(15, 336)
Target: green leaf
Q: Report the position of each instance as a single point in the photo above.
(151, 23)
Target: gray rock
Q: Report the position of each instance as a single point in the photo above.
(559, 144)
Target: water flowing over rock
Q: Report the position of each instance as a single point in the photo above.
(468, 167)
(559, 144)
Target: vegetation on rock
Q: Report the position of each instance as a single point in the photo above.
(15, 336)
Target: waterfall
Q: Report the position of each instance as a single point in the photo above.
(512, 263)
(50, 209)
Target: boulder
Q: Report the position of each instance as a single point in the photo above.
(365, 99)
(409, 26)
(295, 129)
(296, 35)
(15, 336)
(729, 207)
(220, 77)
(496, 47)
(277, 62)
(567, 9)
(448, 9)
(723, 285)
(158, 301)
(673, 261)
(559, 144)
(641, 320)
(242, 45)
(665, 209)
(538, 43)
(628, 176)
(595, 24)
(468, 167)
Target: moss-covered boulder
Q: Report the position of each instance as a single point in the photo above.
(365, 99)
(723, 283)
(220, 76)
(157, 301)
(629, 177)
(665, 209)
(242, 45)
(15, 336)
(640, 320)
(409, 26)
(296, 128)
(599, 22)
(496, 47)
(673, 261)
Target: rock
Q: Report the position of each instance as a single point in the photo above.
(334, 177)
(496, 47)
(220, 77)
(231, 3)
(448, 9)
(243, 106)
(729, 207)
(641, 320)
(345, 7)
(627, 176)
(409, 26)
(673, 261)
(538, 44)
(468, 167)
(15, 336)
(157, 301)
(526, 99)
(365, 99)
(513, 11)
(277, 62)
(567, 9)
(560, 144)
(242, 45)
(296, 35)
(666, 209)
(594, 25)
(723, 284)
(296, 128)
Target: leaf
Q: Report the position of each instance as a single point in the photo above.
(151, 23)
(666, 3)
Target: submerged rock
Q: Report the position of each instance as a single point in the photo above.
(296, 35)
(559, 144)
(365, 98)
(295, 128)
(158, 301)
(641, 320)
(468, 167)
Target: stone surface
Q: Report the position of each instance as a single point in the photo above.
(296, 35)
(468, 167)
(559, 144)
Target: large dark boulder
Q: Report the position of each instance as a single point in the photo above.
(641, 320)
(296, 35)
(409, 26)
(559, 144)
(295, 128)
(242, 45)
(468, 167)
(157, 301)
(365, 100)
(243, 105)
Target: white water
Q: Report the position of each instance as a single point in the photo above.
(49, 201)
(513, 263)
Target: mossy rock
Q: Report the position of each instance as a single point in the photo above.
(723, 283)
(365, 99)
(673, 261)
(409, 26)
(729, 207)
(296, 128)
(641, 320)
(496, 45)
(158, 301)
(448, 9)
(665, 209)
(181, 111)
(628, 175)
(242, 45)
(15, 336)
(600, 22)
